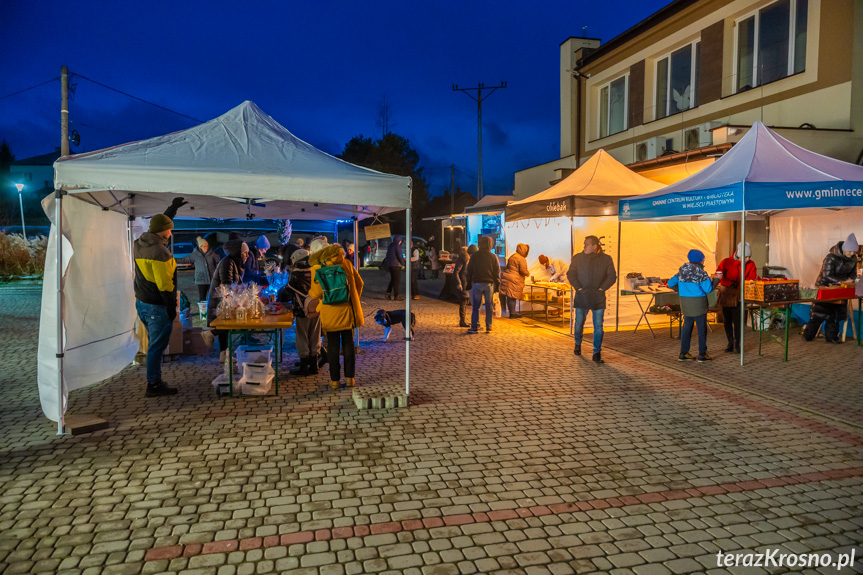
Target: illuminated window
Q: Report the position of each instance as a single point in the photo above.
(770, 44)
(612, 107)
(676, 75)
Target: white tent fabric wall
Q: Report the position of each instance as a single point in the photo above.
(99, 329)
(654, 249)
(799, 240)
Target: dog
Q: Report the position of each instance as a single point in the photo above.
(390, 318)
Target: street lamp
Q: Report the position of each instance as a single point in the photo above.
(21, 203)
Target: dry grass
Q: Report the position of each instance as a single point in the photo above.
(22, 257)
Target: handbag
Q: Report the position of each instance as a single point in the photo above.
(309, 304)
(728, 296)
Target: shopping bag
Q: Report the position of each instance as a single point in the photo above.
(495, 300)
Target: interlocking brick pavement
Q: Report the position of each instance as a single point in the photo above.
(515, 456)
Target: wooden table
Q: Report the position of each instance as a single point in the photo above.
(785, 306)
(546, 302)
(268, 323)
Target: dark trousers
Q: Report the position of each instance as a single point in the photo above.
(686, 333)
(222, 334)
(159, 328)
(395, 280)
(202, 291)
(731, 321)
(415, 288)
(511, 304)
(463, 302)
(830, 314)
(341, 339)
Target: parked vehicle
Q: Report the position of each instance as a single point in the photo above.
(181, 250)
(379, 250)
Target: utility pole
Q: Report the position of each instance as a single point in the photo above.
(479, 98)
(64, 111)
(452, 190)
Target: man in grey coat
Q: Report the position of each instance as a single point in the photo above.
(590, 274)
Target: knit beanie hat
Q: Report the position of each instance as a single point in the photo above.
(850, 244)
(318, 244)
(298, 255)
(695, 256)
(543, 260)
(263, 243)
(160, 223)
(201, 242)
(244, 249)
(744, 249)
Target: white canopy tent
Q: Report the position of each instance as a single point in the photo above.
(241, 164)
(554, 222)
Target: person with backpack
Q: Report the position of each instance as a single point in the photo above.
(308, 324)
(337, 285)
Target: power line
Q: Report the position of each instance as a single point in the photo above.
(28, 89)
(139, 99)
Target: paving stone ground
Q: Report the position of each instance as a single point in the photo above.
(515, 456)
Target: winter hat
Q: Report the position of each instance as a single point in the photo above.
(543, 260)
(850, 244)
(263, 243)
(201, 242)
(298, 255)
(695, 256)
(745, 249)
(318, 244)
(160, 223)
(244, 249)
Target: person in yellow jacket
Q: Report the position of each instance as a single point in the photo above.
(338, 320)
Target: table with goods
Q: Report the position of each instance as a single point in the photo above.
(553, 296)
(649, 288)
(773, 299)
(245, 310)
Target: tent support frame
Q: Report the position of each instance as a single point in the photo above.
(356, 263)
(58, 240)
(408, 298)
(743, 273)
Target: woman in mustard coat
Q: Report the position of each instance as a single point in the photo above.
(338, 320)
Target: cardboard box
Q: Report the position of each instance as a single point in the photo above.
(175, 344)
(194, 342)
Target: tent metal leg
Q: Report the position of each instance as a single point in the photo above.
(58, 239)
(408, 300)
(617, 283)
(356, 263)
(743, 277)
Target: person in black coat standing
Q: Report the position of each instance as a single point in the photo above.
(229, 271)
(462, 292)
(590, 274)
(483, 279)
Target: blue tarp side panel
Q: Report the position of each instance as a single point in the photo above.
(694, 203)
(789, 195)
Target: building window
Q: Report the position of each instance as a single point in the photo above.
(771, 44)
(676, 75)
(612, 107)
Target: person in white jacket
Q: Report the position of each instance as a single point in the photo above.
(554, 268)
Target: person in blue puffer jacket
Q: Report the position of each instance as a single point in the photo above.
(693, 284)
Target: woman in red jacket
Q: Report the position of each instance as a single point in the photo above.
(729, 292)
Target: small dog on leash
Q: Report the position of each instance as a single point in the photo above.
(390, 318)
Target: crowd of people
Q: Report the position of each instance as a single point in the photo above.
(478, 279)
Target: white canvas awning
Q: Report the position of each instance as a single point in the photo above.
(241, 163)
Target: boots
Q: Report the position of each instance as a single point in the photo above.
(312, 366)
(350, 381)
(303, 370)
(322, 358)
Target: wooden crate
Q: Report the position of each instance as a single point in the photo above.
(780, 290)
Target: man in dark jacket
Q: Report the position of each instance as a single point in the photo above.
(156, 296)
(394, 261)
(590, 274)
(483, 278)
(839, 266)
(462, 293)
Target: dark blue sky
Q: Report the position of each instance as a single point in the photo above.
(319, 68)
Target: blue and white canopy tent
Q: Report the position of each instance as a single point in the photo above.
(762, 174)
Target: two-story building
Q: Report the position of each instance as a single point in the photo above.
(669, 95)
